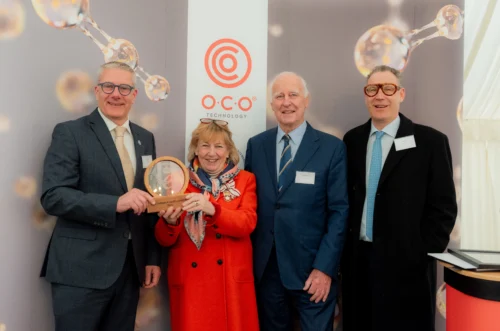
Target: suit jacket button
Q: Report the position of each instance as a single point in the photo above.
(215, 226)
(378, 194)
(218, 236)
(277, 206)
(194, 264)
(125, 234)
(219, 262)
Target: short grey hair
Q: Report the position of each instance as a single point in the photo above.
(384, 68)
(117, 65)
(288, 73)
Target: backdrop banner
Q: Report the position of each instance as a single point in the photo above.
(227, 66)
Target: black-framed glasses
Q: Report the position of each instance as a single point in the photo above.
(109, 88)
(388, 89)
(209, 120)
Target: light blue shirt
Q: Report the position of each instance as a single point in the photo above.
(390, 132)
(295, 140)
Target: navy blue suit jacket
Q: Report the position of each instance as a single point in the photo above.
(307, 222)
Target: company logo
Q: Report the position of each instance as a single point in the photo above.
(228, 63)
(244, 103)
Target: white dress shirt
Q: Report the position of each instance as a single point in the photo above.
(127, 138)
(390, 132)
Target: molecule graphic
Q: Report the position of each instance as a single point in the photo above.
(12, 19)
(385, 44)
(67, 14)
(74, 90)
(394, 18)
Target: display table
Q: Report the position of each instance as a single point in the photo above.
(472, 299)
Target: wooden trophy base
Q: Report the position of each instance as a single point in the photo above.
(162, 203)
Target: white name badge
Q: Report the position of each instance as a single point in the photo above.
(405, 143)
(303, 177)
(146, 160)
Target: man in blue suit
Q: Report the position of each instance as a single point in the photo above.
(302, 213)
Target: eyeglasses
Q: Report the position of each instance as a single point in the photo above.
(109, 88)
(388, 89)
(209, 120)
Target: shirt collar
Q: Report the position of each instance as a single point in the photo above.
(112, 125)
(295, 135)
(390, 129)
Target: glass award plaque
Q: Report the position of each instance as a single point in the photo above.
(166, 179)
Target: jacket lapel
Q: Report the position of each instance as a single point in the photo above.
(307, 149)
(393, 158)
(139, 152)
(104, 136)
(270, 150)
(360, 151)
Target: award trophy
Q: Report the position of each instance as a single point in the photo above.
(166, 179)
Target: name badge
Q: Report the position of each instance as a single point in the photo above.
(303, 177)
(146, 160)
(405, 143)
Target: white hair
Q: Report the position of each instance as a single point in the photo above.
(117, 65)
(287, 73)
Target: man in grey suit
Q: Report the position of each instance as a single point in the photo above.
(103, 246)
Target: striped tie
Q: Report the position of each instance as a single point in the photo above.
(285, 160)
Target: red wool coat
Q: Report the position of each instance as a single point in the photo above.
(213, 289)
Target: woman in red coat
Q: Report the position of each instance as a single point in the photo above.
(210, 276)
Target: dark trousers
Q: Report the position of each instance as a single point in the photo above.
(111, 309)
(366, 312)
(364, 287)
(275, 304)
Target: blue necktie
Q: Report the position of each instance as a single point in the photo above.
(285, 160)
(373, 177)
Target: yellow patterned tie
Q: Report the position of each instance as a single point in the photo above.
(128, 170)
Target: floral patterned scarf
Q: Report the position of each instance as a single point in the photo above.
(223, 184)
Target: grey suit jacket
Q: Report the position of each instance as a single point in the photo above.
(82, 181)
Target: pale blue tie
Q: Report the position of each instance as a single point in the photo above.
(373, 177)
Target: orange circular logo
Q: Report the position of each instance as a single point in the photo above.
(228, 63)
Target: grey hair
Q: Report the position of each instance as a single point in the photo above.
(287, 73)
(384, 68)
(116, 65)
